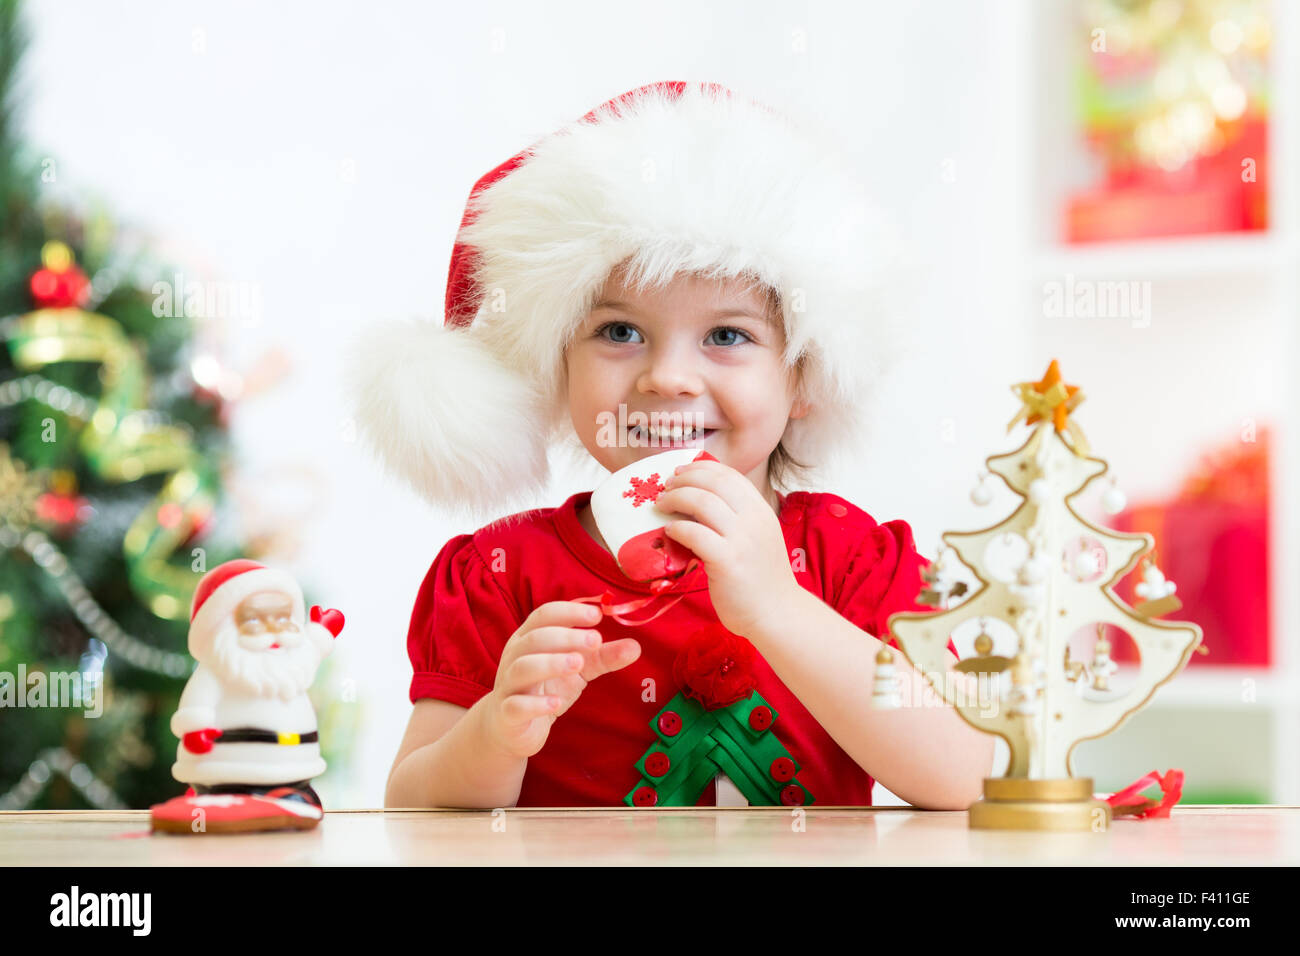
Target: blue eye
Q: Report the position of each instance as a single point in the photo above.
(743, 337)
(617, 325)
(622, 334)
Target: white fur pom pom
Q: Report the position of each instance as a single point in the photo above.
(441, 413)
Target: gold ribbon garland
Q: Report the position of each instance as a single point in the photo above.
(122, 445)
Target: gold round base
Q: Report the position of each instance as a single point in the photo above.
(1021, 804)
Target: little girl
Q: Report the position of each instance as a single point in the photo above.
(680, 251)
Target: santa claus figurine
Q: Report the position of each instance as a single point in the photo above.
(248, 740)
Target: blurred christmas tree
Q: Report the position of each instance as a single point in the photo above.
(111, 499)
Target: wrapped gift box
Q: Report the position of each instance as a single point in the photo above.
(1212, 541)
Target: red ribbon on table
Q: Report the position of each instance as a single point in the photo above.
(659, 588)
(1130, 801)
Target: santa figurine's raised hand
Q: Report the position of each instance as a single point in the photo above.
(248, 739)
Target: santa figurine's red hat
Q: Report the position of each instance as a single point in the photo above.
(672, 178)
(221, 590)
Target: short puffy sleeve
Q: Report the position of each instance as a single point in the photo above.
(883, 577)
(461, 623)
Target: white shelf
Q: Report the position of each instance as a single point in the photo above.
(1220, 688)
(1196, 257)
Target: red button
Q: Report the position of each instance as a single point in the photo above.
(792, 795)
(760, 718)
(782, 769)
(645, 797)
(669, 723)
(657, 764)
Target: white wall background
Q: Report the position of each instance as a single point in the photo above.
(323, 151)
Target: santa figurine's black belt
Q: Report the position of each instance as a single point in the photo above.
(251, 735)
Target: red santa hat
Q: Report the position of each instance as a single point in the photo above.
(669, 178)
(221, 590)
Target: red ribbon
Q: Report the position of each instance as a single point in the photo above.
(1130, 801)
(659, 588)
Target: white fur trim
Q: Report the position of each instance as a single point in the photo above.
(222, 602)
(444, 415)
(705, 183)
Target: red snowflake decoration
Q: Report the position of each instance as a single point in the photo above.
(644, 489)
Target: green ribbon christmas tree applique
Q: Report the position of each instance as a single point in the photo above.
(716, 723)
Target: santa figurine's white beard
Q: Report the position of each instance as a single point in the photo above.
(285, 672)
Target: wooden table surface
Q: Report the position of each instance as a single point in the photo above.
(1249, 835)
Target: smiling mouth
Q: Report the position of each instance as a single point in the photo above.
(676, 437)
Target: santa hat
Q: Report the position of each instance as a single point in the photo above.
(221, 590)
(672, 178)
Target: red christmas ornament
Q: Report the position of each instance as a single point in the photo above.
(715, 667)
(202, 521)
(58, 509)
(59, 289)
(170, 514)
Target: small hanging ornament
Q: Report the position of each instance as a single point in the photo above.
(984, 661)
(885, 694)
(63, 481)
(1029, 587)
(1033, 571)
(1039, 490)
(940, 586)
(59, 284)
(1086, 565)
(1102, 665)
(982, 493)
(63, 512)
(1157, 590)
(1024, 689)
(1084, 558)
(1074, 669)
(202, 521)
(1005, 554)
(1114, 500)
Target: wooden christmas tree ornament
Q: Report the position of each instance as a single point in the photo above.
(1048, 574)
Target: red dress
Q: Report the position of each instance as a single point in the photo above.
(481, 587)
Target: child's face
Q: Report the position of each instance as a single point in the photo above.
(706, 351)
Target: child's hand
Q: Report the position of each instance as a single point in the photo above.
(544, 666)
(737, 536)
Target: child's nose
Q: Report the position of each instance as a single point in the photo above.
(670, 373)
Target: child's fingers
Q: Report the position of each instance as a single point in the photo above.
(559, 639)
(612, 656)
(707, 544)
(518, 709)
(533, 669)
(701, 504)
(562, 613)
(566, 690)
